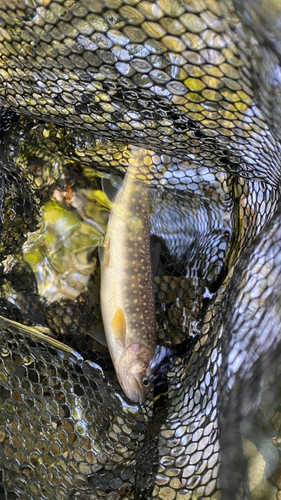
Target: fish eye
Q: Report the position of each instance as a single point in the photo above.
(145, 382)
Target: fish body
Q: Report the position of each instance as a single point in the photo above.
(127, 297)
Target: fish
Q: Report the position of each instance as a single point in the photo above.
(127, 296)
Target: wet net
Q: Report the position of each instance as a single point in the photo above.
(197, 84)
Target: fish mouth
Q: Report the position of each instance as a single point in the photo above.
(134, 372)
(134, 390)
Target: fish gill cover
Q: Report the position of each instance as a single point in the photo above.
(196, 83)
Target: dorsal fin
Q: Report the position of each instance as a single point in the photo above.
(155, 251)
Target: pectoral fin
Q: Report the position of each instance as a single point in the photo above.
(118, 325)
(97, 332)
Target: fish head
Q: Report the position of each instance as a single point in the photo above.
(135, 373)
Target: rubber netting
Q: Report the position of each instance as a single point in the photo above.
(197, 84)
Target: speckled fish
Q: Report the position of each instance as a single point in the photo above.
(127, 297)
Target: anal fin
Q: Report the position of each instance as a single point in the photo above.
(110, 190)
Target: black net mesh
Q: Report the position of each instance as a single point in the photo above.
(197, 84)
